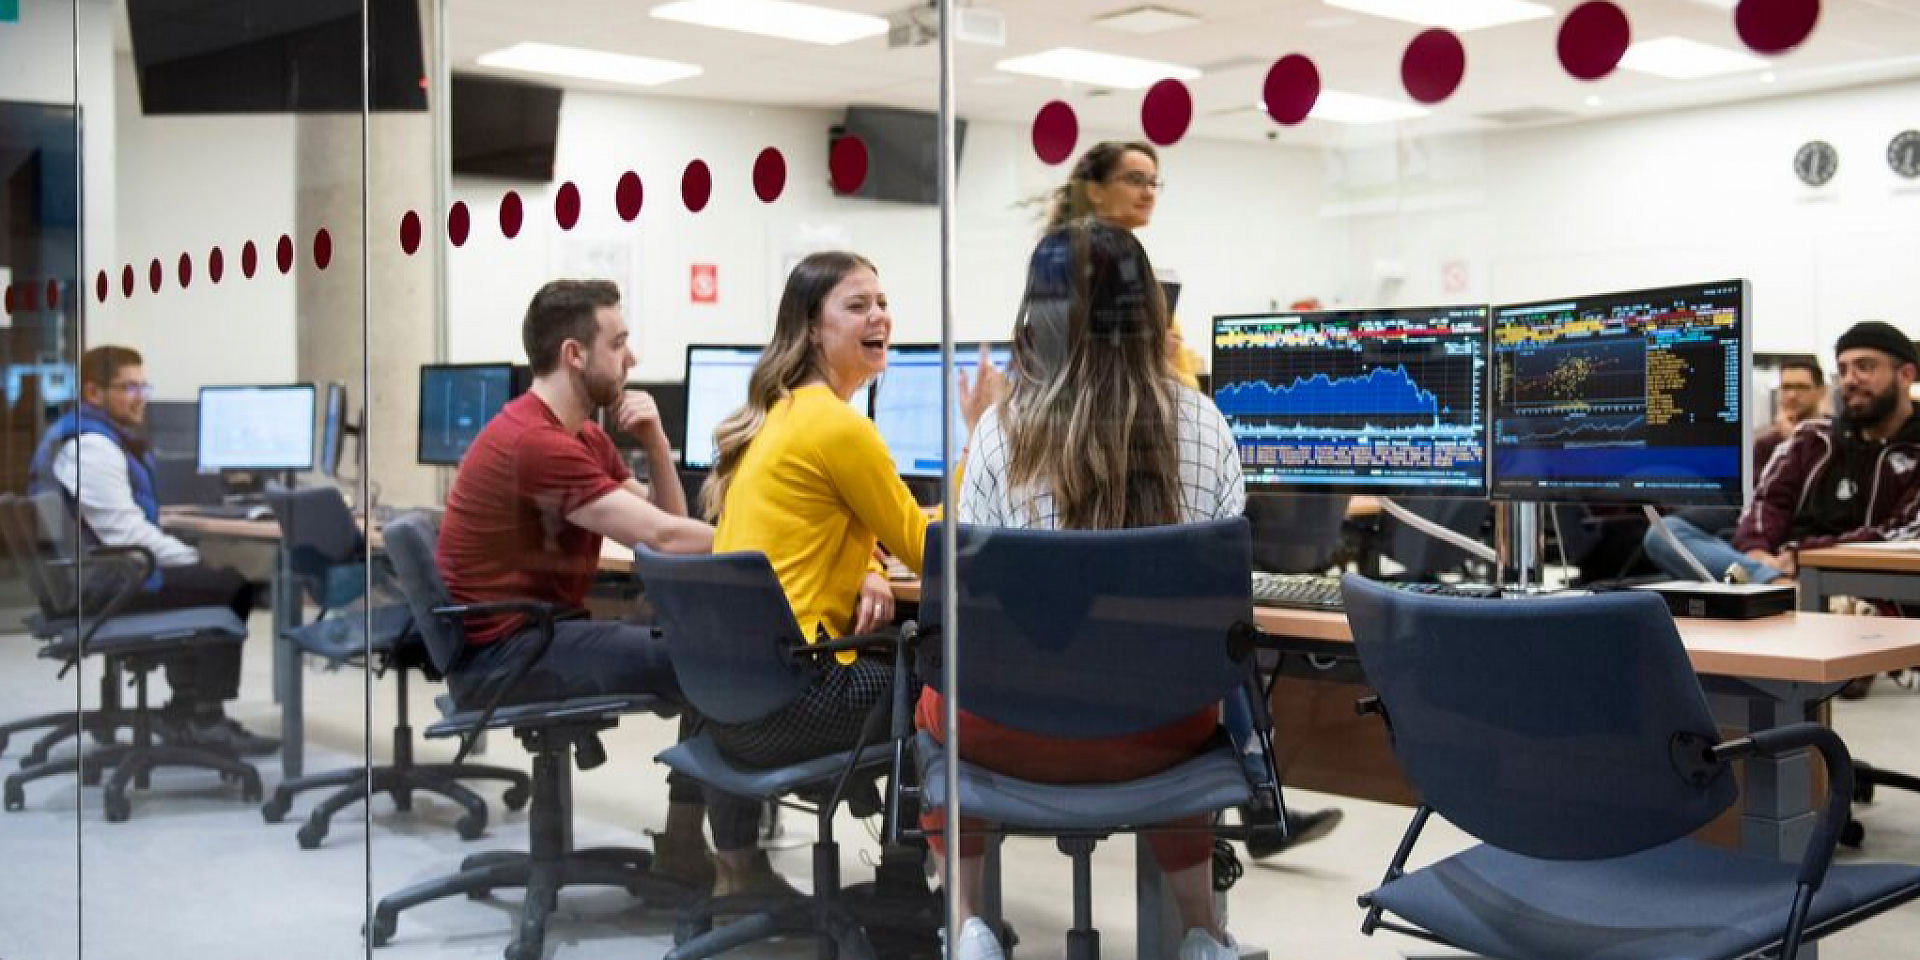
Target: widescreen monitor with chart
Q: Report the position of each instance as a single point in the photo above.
(906, 402)
(256, 428)
(1633, 397)
(1356, 401)
(716, 387)
(456, 400)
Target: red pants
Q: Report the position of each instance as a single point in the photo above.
(1052, 760)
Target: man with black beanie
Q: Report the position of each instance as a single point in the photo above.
(1852, 479)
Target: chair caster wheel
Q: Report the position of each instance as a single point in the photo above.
(1862, 791)
(516, 797)
(519, 951)
(311, 835)
(250, 791)
(118, 809)
(16, 798)
(275, 810)
(380, 931)
(470, 827)
(1853, 835)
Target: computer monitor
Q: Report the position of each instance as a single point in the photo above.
(906, 402)
(456, 400)
(257, 428)
(671, 399)
(173, 428)
(333, 429)
(1633, 397)
(717, 387)
(1386, 402)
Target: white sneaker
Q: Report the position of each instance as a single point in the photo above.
(977, 942)
(1199, 946)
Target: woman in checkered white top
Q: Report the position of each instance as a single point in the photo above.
(1096, 433)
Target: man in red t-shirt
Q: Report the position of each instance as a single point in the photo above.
(536, 493)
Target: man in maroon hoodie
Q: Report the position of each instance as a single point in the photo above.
(1851, 479)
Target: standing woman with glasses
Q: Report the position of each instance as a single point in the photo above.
(1118, 183)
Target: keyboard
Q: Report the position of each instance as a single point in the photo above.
(228, 511)
(1308, 591)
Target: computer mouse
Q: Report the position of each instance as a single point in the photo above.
(261, 512)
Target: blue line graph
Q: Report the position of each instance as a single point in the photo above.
(1380, 391)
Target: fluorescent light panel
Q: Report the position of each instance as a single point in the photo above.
(585, 64)
(1147, 20)
(1678, 58)
(1459, 15)
(776, 18)
(1360, 110)
(1099, 69)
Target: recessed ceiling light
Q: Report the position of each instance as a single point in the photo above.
(1460, 15)
(1147, 20)
(1768, 77)
(775, 18)
(1719, 4)
(1359, 109)
(1678, 58)
(588, 64)
(1099, 69)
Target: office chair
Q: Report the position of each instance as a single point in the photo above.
(1295, 534)
(44, 624)
(741, 657)
(1571, 738)
(135, 644)
(1094, 635)
(327, 555)
(557, 733)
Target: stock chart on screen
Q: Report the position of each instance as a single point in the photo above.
(1633, 397)
(1373, 401)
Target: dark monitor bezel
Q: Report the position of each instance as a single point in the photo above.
(1477, 492)
(420, 414)
(971, 348)
(200, 426)
(1677, 498)
(333, 429)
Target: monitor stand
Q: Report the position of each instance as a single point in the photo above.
(1519, 544)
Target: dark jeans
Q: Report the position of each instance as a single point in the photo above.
(589, 658)
(201, 679)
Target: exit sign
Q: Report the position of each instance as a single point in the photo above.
(9, 11)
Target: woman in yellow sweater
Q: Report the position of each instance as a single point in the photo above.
(804, 478)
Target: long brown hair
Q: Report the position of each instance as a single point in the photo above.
(1071, 201)
(789, 361)
(1090, 417)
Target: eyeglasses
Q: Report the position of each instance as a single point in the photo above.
(1141, 181)
(1798, 387)
(136, 388)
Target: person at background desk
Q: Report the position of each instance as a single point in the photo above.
(1119, 183)
(1851, 479)
(98, 457)
(535, 495)
(801, 476)
(1802, 388)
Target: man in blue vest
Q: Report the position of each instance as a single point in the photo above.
(97, 456)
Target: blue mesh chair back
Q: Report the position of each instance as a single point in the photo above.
(323, 542)
(1294, 534)
(728, 628)
(1093, 634)
(411, 541)
(1548, 727)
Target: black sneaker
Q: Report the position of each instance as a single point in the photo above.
(224, 735)
(1301, 828)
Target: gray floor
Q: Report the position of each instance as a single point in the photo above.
(196, 873)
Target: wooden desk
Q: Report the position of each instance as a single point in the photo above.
(1875, 571)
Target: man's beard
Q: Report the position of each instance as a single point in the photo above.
(603, 393)
(1878, 408)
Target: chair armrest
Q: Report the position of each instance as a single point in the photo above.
(146, 564)
(881, 643)
(1837, 809)
(544, 615)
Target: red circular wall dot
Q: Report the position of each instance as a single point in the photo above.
(8, 300)
(1433, 66)
(1775, 26)
(847, 163)
(100, 286)
(126, 281)
(1593, 38)
(1291, 89)
(1166, 111)
(696, 186)
(155, 275)
(512, 214)
(459, 223)
(769, 175)
(566, 206)
(249, 260)
(1056, 130)
(283, 253)
(53, 294)
(184, 271)
(322, 248)
(410, 233)
(216, 265)
(628, 196)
